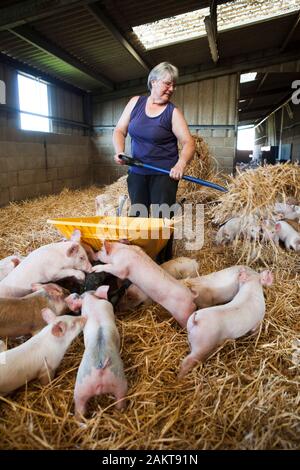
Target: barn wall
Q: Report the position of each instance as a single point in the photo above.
(106, 115)
(36, 163)
(291, 120)
(208, 103)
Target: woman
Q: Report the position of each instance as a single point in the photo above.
(155, 126)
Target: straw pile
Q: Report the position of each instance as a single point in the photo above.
(245, 396)
(202, 166)
(258, 189)
(253, 193)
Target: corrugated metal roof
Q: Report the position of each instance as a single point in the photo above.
(135, 13)
(16, 48)
(76, 31)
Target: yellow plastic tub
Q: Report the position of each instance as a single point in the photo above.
(150, 234)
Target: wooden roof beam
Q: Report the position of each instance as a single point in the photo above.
(33, 37)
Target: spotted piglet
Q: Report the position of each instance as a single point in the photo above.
(101, 369)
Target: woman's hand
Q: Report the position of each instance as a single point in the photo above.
(118, 160)
(178, 170)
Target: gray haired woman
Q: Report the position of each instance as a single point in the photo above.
(155, 126)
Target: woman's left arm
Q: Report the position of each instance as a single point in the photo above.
(181, 130)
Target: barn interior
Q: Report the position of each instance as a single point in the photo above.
(83, 61)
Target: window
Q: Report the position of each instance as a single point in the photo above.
(33, 98)
(230, 15)
(245, 138)
(247, 77)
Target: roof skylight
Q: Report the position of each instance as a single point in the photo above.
(248, 77)
(230, 15)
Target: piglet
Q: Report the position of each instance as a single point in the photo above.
(269, 232)
(105, 206)
(287, 211)
(288, 235)
(216, 288)
(131, 262)
(41, 355)
(8, 264)
(228, 231)
(179, 268)
(248, 226)
(210, 327)
(46, 264)
(76, 237)
(23, 315)
(101, 369)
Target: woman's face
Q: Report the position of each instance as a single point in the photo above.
(162, 89)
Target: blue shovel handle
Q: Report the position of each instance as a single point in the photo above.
(128, 160)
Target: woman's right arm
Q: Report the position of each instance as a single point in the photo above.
(121, 129)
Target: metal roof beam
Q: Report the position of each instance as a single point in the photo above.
(259, 94)
(41, 42)
(103, 20)
(31, 10)
(290, 34)
(210, 23)
(284, 102)
(207, 71)
(22, 67)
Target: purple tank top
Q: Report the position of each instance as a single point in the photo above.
(152, 139)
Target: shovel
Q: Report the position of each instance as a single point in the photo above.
(129, 160)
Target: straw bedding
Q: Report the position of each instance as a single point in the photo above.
(245, 396)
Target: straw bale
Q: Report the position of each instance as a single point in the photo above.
(245, 396)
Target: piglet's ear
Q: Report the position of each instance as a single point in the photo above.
(277, 226)
(73, 249)
(101, 292)
(52, 289)
(37, 286)
(124, 241)
(48, 315)
(76, 236)
(266, 278)
(59, 328)
(108, 246)
(16, 261)
(243, 275)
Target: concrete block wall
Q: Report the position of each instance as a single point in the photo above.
(34, 164)
(222, 146)
(105, 171)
